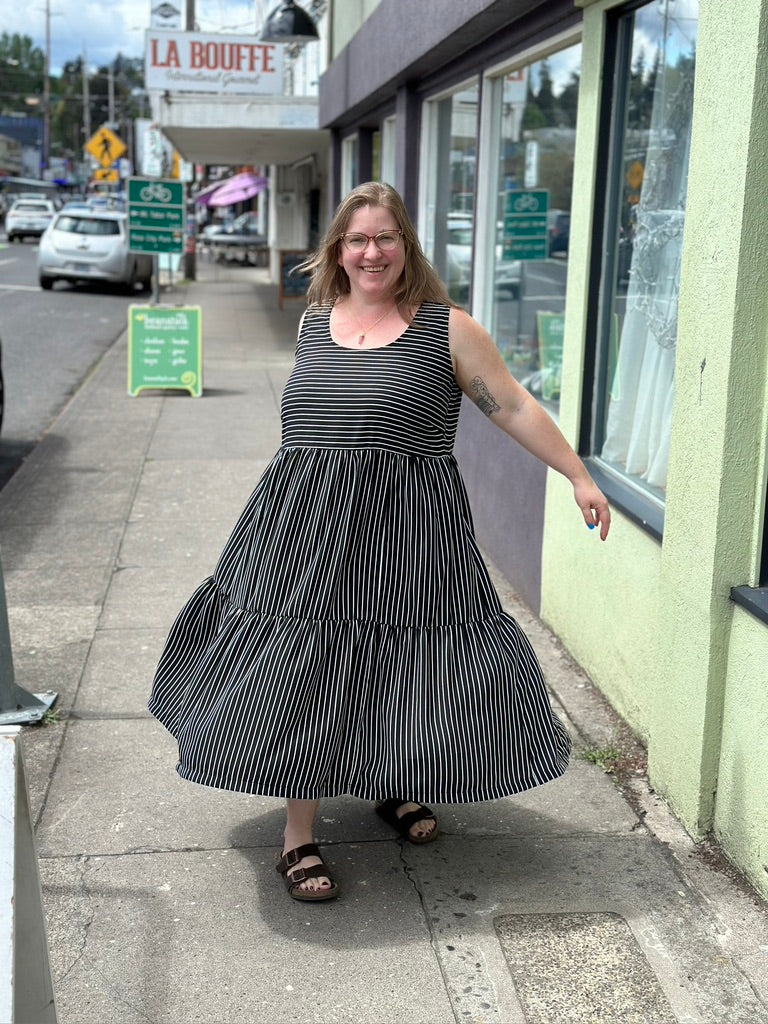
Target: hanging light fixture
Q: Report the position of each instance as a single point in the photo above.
(288, 24)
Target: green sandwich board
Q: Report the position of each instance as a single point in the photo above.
(165, 348)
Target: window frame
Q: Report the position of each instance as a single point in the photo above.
(428, 149)
(638, 504)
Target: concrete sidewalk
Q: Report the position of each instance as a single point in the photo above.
(579, 902)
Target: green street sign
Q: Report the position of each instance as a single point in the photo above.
(156, 213)
(526, 233)
(165, 348)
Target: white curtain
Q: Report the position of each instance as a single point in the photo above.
(642, 392)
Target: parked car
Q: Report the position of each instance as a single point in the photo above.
(507, 273)
(28, 218)
(559, 231)
(91, 245)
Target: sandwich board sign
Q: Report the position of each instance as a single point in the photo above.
(165, 348)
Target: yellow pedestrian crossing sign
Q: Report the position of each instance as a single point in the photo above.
(105, 146)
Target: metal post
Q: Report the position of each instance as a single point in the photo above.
(46, 158)
(17, 706)
(26, 985)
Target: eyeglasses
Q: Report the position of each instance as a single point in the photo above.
(384, 240)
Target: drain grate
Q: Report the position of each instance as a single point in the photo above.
(581, 969)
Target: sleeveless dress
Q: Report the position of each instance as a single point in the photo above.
(350, 640)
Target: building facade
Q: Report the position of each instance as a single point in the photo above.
(589, 179)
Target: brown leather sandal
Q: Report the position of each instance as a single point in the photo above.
(294, 878)
(387, 810)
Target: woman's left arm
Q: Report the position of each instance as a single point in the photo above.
(483, 376)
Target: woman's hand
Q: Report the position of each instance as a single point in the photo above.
(593, 504)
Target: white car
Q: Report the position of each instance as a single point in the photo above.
(28, 218)
(506, 274)
(91, 245)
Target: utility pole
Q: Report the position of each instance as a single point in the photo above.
(190, 16)
(111, 96)
(86, 100)
(45, 160)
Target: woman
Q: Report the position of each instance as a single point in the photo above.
(350, 640)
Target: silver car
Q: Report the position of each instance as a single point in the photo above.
(28, 218)
(91, 245)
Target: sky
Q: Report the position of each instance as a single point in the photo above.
(108, 27)
(105, 28)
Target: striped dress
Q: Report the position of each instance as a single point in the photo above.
(350, 640)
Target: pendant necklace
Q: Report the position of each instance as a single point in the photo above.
(361, 336)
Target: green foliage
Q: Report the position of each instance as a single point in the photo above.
(606, 758)
(22, 65)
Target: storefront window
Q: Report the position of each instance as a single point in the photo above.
(349, 163)
(388, 150)
(645, 215)
(451, 160)
(532, 150)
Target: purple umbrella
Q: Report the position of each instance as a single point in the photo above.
(204, 196)
(236, 190)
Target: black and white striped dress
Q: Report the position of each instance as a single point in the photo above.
(350, 640)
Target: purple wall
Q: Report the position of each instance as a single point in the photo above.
(506, 487)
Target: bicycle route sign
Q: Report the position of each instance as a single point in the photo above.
(155, 215)
(525, 225)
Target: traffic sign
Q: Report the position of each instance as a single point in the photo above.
(155, 215)
(105, 146)
(525, 225)
(107, 174)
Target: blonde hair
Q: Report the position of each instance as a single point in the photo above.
(419, 281)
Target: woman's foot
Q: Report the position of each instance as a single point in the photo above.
(305, 874)
(413, 821)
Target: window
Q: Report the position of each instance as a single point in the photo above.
(388, 150)
(450, 161)
(349, 164)
(532, 135)
(651, 105)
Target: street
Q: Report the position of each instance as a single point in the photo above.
(50, 342)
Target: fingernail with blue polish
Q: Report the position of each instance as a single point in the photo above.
(591, 526)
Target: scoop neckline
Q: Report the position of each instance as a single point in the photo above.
(376, 348)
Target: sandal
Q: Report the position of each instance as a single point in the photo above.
(387, 810)
(294, 879)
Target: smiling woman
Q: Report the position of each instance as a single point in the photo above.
(351, 613)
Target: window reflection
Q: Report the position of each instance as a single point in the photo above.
(654, 103)
(451, 165)
(536, 130)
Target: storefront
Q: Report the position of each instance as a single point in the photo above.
(587, 179)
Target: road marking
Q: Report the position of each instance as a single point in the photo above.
(21, 287)
(13, 259)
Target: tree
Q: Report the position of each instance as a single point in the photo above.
(22, 67)
(568, 101)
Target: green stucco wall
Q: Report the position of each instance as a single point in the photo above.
(654, 624)
(602, 599)
(741, 817)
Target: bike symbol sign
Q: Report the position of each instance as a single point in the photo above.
(155, 215)
(525, 225)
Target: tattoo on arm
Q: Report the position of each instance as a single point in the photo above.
(484, 400)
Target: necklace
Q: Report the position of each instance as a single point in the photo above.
(366, 330)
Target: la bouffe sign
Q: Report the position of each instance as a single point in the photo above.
(224, 64)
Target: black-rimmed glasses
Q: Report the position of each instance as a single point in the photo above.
(357, 242)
